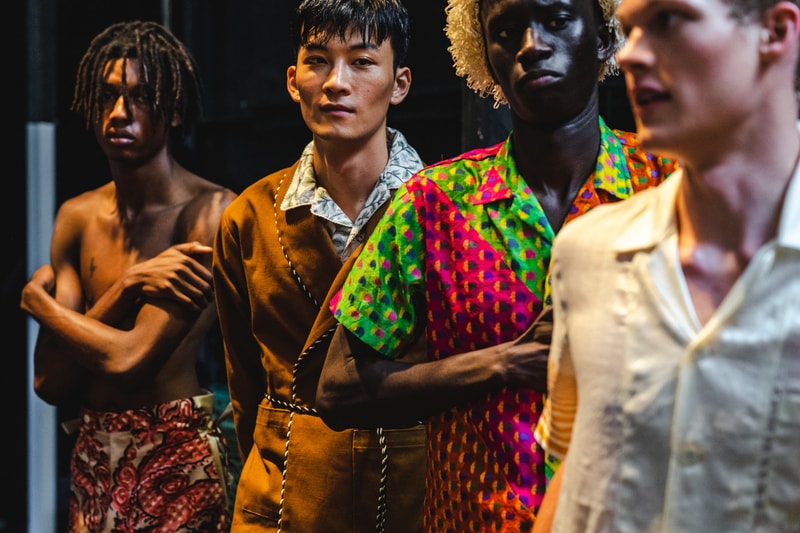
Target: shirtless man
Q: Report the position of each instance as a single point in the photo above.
(123, 307)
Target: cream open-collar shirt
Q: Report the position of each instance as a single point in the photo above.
(679, 427)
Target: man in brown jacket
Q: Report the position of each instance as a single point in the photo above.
(278, 251)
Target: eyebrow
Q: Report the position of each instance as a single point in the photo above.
(322, 46)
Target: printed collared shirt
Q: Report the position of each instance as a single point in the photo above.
(347, 235)
(461, 256)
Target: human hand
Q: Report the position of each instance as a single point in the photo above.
(175, 274)
(527, 355)
(41, 283)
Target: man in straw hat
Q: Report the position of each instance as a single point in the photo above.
(460, 261)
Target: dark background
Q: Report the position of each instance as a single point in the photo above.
(250, 128)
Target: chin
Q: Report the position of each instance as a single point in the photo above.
(650, 137)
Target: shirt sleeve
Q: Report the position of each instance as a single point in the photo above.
(246, 381)
(381, 299)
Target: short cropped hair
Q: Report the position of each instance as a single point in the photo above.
(166, 68)
(753, 10)
(467, 47)
(743, 9)
(377, 20)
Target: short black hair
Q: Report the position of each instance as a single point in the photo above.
(166, 68)
(377, 20)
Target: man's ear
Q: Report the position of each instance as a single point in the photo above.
(780, 30)
(291, 83)
(402, 84)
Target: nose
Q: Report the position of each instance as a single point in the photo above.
(635, 53)
(532, 43)
(338, 79)
(119, 109)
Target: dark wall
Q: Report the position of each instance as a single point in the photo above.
(13, 380)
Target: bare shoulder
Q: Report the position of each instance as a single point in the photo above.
(200, 216)
(75, 214)
(91, 201)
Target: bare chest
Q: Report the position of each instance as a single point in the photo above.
(709, 282)
(110, 246)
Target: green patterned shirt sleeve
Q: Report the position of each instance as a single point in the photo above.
(379, 299)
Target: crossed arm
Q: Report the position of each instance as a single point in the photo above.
(360, 387)
(167, 292)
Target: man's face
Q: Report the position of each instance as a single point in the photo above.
(127, 128)
(545, 54)
(692, 72)
(344, 88)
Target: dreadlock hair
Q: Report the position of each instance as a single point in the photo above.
(166, 69)
(377, 20)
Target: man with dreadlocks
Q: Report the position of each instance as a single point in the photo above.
(127, 300)
(279, 248)
(461, 259)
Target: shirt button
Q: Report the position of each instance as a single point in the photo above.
(691, 453)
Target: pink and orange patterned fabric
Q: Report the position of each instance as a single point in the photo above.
(462, 256)
(153, 469)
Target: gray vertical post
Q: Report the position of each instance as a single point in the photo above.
(166, 14)
(42, 469)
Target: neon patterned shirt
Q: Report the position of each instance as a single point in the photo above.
(462, 254)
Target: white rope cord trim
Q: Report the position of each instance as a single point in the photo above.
(293, 407)
(283, 249)
(382, 510)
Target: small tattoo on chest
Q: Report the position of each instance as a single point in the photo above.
(92, 267)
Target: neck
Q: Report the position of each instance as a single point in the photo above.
(557, 161)
(349, 171)
(734, 200)
(557, 157)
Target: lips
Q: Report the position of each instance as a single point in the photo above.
(643, 97)
(335, 108)
(119, 135)
(539, 77)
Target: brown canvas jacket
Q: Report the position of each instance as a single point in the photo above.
(298, 474)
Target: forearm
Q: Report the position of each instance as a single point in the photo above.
(113, 305)
(360, 388)
(60, 369)
(101, 349)
(57, 378)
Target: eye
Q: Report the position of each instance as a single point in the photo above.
(559, 22)
(507, 33)
(664, 20)
(108, 96)
(140, 99)
(314, 60)
(363, 62)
